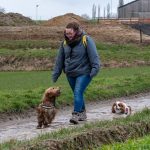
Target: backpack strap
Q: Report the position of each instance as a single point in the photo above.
(64, 43)
(84, 41)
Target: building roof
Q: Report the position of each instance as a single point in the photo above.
(128, 3)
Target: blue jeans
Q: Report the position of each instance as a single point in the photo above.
(78, 85)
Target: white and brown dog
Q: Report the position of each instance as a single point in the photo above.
(121, 108)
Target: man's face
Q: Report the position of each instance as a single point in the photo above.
(70, 33)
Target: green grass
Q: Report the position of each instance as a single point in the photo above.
(22, 90)
(108, 52)
(119, 53)
(30, 53)
(132, 144)
(24, 44)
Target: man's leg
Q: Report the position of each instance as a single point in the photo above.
(79, 113)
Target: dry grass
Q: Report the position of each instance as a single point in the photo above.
(104, 31)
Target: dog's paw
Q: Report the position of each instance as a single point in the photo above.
(39, 127)
(46, 126)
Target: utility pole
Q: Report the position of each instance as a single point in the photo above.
(36, 11)
(99, 13)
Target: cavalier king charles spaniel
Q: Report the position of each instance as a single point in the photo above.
(121, 108)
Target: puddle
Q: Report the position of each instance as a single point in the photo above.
(23, 129)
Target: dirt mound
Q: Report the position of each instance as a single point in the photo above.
(64, 20)
(115, 32)
(111, 31)
(14, 19)
(100, 32)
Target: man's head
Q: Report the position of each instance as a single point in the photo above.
(71, 30)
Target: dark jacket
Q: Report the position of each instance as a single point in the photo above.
(79, 60)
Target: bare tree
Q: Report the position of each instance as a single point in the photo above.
(121, 3)
(108, 10)
(104, 13)
(94, 11)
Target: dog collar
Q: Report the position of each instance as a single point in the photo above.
(47, 107)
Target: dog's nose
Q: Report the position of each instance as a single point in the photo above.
(58, 88)
(59, 92)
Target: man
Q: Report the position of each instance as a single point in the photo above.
(80, 62)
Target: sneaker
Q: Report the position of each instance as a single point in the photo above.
(75, 118)
(82, 116)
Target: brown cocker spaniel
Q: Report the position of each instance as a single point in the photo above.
(46, 111)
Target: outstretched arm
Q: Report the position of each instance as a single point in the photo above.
(59, 64)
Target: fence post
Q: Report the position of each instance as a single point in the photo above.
(140, 35)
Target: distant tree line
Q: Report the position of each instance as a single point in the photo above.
(121, 3)
(107, 11)
(96, 12)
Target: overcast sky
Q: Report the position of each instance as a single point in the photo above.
(47, 9)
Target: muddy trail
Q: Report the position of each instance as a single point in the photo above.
(23, 129)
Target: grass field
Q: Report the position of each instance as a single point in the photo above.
(30, 53)
(107, 52)
(22, 90)
(136, 144)
(24, 44)
(119, 53)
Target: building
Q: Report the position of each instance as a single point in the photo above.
(135, 9)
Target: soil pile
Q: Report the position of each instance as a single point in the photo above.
(104, 31)
(111, 31)
(14, 19)
(114, 32)
(65, 19)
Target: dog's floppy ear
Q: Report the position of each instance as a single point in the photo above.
(49, 94)
(113, 108)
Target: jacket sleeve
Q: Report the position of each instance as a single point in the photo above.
(93, 57)
(59, 64)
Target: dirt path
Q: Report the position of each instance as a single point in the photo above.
(22, 129)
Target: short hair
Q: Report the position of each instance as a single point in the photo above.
(73, 25)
